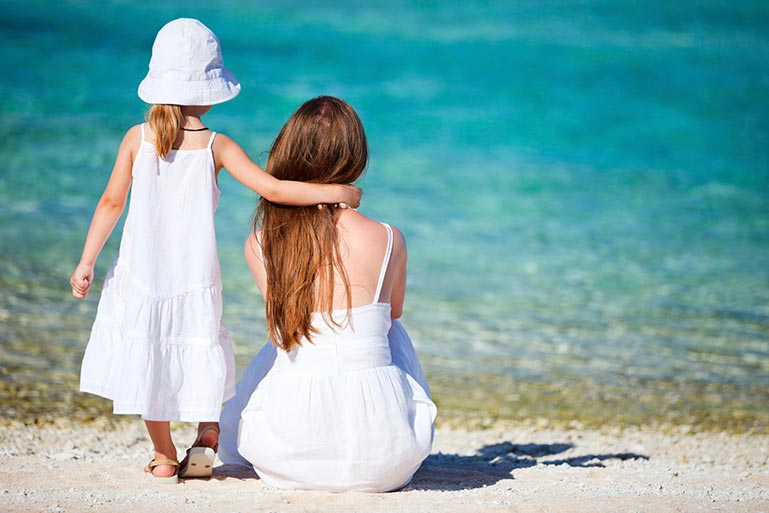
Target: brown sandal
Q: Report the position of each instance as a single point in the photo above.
(163, 479)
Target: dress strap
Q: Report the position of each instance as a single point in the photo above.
(385, 262)
(211, 140)
(143, 131)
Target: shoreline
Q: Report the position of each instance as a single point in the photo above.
(39, 381)
(474, 402)
(69, 466)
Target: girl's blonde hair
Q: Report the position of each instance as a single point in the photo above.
(322, 142)
(165, 122)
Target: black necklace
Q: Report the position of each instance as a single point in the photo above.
(194, 129)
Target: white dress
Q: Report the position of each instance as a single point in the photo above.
(349, 411)
(158, 347)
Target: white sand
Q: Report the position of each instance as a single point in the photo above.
(73, 468)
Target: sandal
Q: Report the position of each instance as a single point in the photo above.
(163, 479)
(199, 461)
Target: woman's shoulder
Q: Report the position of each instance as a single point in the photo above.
(367, 230)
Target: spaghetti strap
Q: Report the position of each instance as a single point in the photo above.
(211, 140)
(143, 137)
(385, 262)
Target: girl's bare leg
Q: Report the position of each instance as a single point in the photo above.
(210, 437)
(160, 434)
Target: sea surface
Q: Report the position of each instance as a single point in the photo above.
(583, 186)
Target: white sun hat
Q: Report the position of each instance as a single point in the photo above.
(187, 68)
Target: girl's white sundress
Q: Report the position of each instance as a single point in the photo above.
(349, 411)
(158, 347)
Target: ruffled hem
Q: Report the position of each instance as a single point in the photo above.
(165, 358)
(175, 382)
(185, 415)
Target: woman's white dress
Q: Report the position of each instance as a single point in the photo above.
(349, 411)
(158, 347)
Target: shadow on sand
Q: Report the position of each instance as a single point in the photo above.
(493, 463)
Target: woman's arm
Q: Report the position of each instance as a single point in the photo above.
(398, 261)
(253, 255)
(108, 211)
(228, 154)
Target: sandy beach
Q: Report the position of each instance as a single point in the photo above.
(523, 467)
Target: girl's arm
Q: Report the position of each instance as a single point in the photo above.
(228, 154)
(107, 213)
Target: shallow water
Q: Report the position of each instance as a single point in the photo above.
(584, 186)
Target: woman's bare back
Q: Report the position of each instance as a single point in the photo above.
(363, 245)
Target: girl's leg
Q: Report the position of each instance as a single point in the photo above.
(160, 434)
(208, 434)
(199, 461)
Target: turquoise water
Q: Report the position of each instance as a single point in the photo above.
(584, 186)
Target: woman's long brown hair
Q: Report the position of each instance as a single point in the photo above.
(323, 142)
(165, 122)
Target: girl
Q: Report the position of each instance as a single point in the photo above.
(338, 402)
(158, 347)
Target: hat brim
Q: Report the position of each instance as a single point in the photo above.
(215, 90)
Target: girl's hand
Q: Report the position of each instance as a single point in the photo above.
(350, 195)
(81, 281)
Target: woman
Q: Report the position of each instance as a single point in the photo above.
(338, 401)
